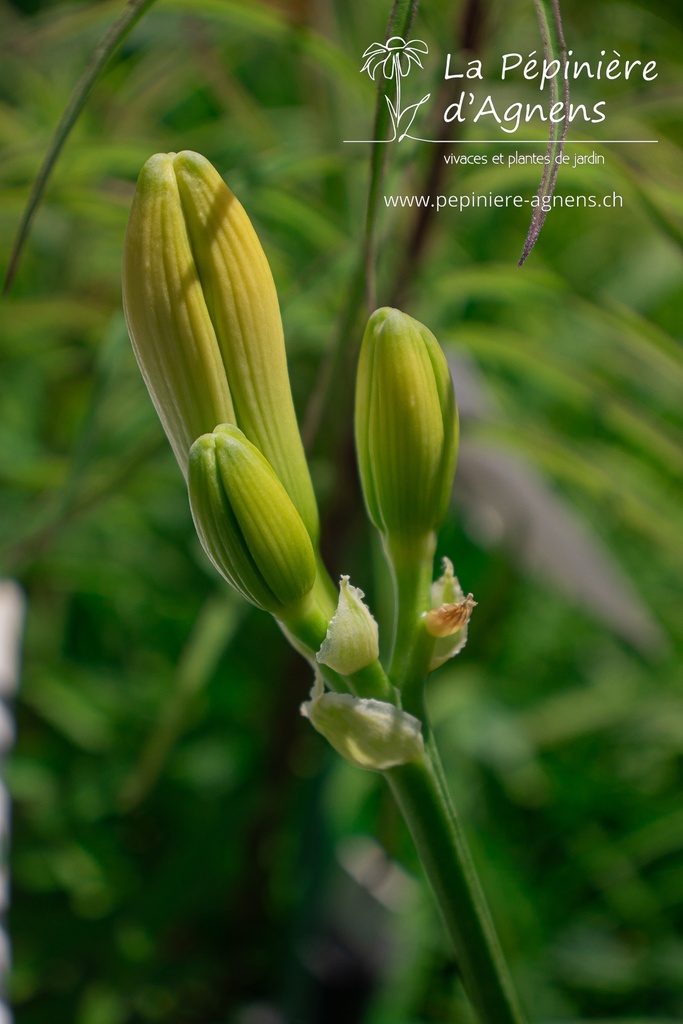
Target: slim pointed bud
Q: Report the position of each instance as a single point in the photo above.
(368, 733)
(168, 321)
(204, 319)
(240, 295)
(406, 426)
(247, 523)
(449, 617)
(352, 635)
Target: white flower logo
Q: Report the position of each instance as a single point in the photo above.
(395, 58)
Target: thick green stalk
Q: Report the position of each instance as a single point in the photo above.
(308, 622)
(412, 566)
(421, 794)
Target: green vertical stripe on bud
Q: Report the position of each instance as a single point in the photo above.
(247, 523)
(243, 305)
(406, 426)
(168, 320)
(204, 318)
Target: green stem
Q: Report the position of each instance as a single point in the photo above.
(330, 393)
(307, 622)
(113, 37)
(400, 20)
(422, 796)
(412, 566)
(372, 681)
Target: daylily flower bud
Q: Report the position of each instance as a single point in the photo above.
(204, 319)
(247, 523)
(449, 618)
(352, 641)
(168, 321)
(406, 426)
(368, 733)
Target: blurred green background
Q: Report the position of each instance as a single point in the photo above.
(184, 848)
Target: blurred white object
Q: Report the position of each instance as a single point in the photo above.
(11, 623)
(12, 608)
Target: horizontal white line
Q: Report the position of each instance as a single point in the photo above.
(510, 142)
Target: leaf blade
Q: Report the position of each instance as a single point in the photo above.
(113, 37)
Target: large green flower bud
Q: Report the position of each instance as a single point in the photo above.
(204, 319)
(406, 426)
(247, 523)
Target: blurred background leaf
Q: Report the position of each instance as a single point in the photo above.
(184, 849)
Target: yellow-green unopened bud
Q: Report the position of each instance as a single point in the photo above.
(247, 523)
(368, 733)
(204, 319)
(406, 426)
(168, 320)
(352, 635)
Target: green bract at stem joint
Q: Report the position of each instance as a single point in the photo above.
(368, 733)
(352, 640)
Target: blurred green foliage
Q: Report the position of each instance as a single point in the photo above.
(184, 848)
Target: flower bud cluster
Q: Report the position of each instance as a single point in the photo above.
(204, 321)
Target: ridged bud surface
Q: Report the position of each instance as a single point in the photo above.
(204, 318)
(247, 523)
(168, 321)
(406, 426)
